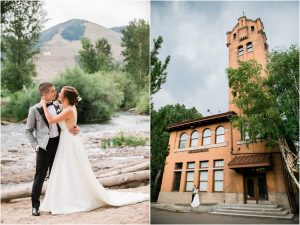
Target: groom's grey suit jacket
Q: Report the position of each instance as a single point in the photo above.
(37, 127)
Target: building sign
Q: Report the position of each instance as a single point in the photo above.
(198, 150)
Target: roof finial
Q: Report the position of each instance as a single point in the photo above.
(243, 13)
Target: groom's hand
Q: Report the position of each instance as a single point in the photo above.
(75, 130)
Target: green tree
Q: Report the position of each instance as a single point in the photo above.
(270, 103)
(95, 58)
(160, 139)
(87, 56)
(135, 41)
(20, 31)
(158, 69)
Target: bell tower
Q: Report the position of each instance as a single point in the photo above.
(247, 40)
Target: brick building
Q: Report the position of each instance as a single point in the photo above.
(210, 153)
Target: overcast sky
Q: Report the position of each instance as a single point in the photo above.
(194, 36)
(109, 13)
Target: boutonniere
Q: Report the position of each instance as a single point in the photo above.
(56, 103)
(57, 106)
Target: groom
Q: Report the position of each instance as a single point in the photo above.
(45, 141)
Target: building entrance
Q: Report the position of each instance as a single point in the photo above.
(255, 185)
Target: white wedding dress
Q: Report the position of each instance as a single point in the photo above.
(73, 186)
(196, 201)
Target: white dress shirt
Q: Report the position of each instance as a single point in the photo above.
(53, 127)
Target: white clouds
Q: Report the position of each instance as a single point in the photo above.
(194, 36)
(106, 13)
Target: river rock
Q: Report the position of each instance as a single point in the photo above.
(7, 160)
(12, 150)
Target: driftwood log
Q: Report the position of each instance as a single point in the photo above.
(133, 168)
(120, 167)
(113, 181)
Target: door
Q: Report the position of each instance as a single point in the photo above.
(255, 185)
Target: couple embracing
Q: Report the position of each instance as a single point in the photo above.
(52, 130)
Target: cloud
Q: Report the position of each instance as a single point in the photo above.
(106, 13)
(194, 36)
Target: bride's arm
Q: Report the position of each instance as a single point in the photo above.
(64, 115)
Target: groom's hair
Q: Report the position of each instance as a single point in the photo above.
(44, 87)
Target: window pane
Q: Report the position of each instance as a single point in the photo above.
(218, 174)
(176, 184)
(206, 141)
(178, 166)
(203, 186)
(204, 164)
(218, 186)
(190, 176)
(194, 142)
(182, 144)
(183, 137)
(203, 175)
(189, 186)
(220, 130)
(206, 133)
(220, 139)
(194, 135)
(191, 165)
(219, 163)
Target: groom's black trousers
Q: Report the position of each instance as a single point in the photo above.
(44, 160)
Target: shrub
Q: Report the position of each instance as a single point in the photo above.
(143, 102)
(17, 106)
(121, 141)
(101, 94)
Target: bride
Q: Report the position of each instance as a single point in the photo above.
(72, 185)
(196, 200)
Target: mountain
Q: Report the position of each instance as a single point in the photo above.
(118, 29)
(60, 44)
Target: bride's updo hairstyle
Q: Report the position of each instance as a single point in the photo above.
(71, 94)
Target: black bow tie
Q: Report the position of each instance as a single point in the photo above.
(48, 104)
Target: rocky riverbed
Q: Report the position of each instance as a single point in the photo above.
(18, 161)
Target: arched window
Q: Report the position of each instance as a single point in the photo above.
(252, 29)
(206, 137)
(194, 139)
(249, 47)
(220, 135)
(182, 141)
(240, 50)
(234, 36)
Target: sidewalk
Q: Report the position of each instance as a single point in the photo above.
(183, 208)
(161, 216)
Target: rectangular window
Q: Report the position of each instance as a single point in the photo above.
(203, 180)
(190, 165)
(178, 166)
(189, 181)
(204, 164)
(218, 180)
(218, 163)
(176, 183)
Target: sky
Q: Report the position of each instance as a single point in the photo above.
(194, 35)
(108, 13)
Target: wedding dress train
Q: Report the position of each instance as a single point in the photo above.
(73, 186)
(196, 201)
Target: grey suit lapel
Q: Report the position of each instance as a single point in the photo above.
(41, 111)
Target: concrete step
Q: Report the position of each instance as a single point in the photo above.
(273, 206)
(276, 213)
(252, 209)
(288, 216)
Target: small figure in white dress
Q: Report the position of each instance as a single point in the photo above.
(196, 200)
